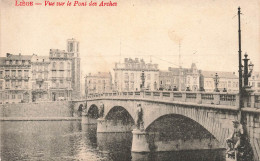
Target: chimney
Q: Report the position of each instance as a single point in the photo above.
(8, 54)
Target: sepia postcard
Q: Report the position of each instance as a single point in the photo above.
(130, 80)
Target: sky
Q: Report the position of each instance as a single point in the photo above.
(204, 32)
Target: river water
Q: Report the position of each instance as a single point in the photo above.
(71, 140)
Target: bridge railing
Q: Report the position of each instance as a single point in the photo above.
(217, 98)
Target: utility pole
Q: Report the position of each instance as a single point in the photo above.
(180, 70)
(239, 66)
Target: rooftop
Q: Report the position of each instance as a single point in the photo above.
(18, 57)
(211, 74)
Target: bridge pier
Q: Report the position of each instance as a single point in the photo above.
(139, 143)
(151, 142)
(113, 126)
(88, 120)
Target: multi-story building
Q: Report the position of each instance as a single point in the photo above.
(17, 70)
(169, 80)
(40, 78)
(128, 75)
(181, 78)
(227, 80)
(73, 50)
(32, 78)
(254, 81)
(2, 81)
(98, 83)
(60, 74)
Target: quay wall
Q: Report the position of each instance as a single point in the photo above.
(38, 109)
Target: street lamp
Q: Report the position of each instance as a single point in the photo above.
(216, 80)
(248, 68)
(143, 80)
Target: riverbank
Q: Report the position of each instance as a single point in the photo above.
(40, 119)
(55, 109)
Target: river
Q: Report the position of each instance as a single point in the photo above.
(73, 141)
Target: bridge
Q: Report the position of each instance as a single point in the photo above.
(175, 120)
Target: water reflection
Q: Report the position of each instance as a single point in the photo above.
(71, 140)
(117, 145)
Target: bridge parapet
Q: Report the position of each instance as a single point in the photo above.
(216, 98)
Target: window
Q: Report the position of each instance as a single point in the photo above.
(258, 84)
(126, 77)
(7, 84)
(1, 85)
(71, 47)
(26, 73)
(13, 73)
(53, 73)
(34, 76)
(45, 75)
(26, 84)
(148, 76)
(68, 65)
(46, 68)
(68, 73)
(229, 84)
(19, 73)
(61, 82)
(1, 74)
(132, 76)
(13, 96)
(253, 84)
(13, 84)
(132, 85)
(54, 65)
(61, 65)
(61, 74)
(20, 84)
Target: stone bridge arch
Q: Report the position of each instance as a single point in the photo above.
(217, 121)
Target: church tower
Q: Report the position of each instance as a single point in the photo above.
(73, 50)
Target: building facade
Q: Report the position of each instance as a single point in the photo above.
(128, 75)
(60, 75)
(169, 80)
(40, 78)
(33, 78)
(98, 83)
(254, 81)
(227, 80)
(15, 71)
(180, 79)
(2, 81)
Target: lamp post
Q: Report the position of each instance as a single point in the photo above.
(247, 66)
(216, 80)
(143, 80)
